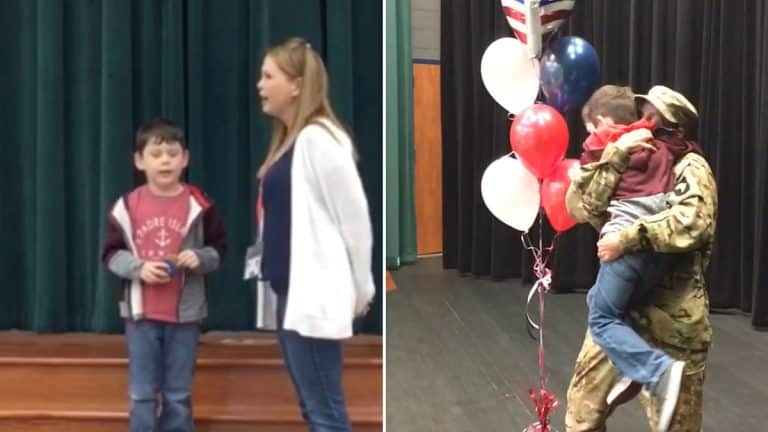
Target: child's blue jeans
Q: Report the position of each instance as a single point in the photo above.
(161, 361)
(620, 284)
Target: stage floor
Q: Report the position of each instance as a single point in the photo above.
(459, 358)
(259, 347)
(78, 382)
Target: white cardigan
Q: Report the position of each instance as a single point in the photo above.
(330, 280)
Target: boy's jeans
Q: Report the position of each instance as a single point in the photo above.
(161, 360)
(315, 367)
(620, 284)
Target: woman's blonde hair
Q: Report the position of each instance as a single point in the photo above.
(296, 58)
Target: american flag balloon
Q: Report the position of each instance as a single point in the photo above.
(534, 21)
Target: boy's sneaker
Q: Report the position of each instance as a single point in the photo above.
(667, 392)
(622, 392)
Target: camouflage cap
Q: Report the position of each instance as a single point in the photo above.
(671, 104)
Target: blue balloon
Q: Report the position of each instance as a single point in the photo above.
(570, 73)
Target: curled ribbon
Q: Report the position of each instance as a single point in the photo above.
(544, 400)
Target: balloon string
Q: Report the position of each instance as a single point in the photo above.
(543, 399)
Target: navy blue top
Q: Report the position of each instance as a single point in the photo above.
(276, 234)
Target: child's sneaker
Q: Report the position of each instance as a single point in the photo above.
(667, 392)
(622, 392)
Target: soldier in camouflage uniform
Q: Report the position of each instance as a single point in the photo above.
(676, 317)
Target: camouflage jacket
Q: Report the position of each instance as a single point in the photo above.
(678, 313)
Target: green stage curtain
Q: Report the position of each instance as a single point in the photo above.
(79, 76)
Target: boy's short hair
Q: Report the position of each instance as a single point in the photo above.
(616, 102)
(160, 128)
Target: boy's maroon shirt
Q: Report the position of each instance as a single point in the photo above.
(649, 172)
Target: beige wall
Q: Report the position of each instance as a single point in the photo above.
(425, 24)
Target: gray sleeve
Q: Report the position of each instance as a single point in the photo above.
(209, 260)
(125, 265)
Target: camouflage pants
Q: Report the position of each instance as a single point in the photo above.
(594, 376)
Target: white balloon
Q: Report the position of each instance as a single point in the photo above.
(509, 75)
(511, 192)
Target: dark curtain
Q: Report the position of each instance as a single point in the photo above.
(715, 52)
(79, 76)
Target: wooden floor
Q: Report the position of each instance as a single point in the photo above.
(78, 382)
(214, 347)
(459, 358)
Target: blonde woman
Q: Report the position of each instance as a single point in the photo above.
(315, 230)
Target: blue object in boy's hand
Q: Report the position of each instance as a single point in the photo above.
(173, 269)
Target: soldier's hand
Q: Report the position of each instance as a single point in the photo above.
(609, 248)
(635, 141)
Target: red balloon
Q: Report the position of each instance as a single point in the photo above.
(553, 191)
(539, 136)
